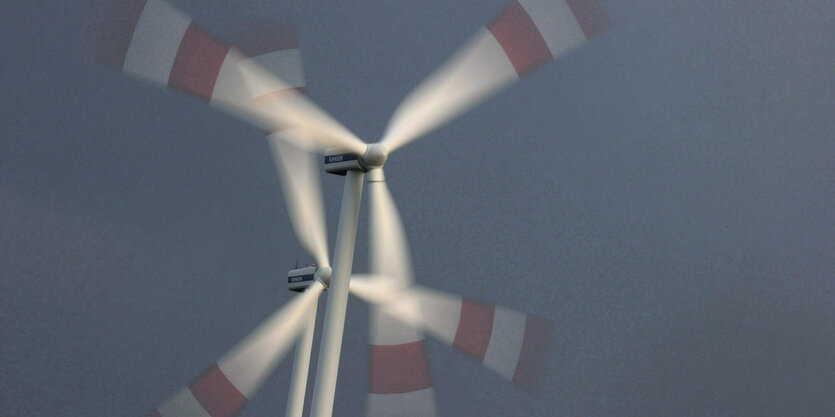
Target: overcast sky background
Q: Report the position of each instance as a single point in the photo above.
(665, 196)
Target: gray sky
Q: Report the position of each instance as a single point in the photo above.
(664, 196)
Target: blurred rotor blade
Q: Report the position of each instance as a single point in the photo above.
(398, 370)
(524, 36)
(378, 290)
(399, 381)
(508, 342)
(299, 174)
(154, 41)
(225, 388)
(275, 46)
(389, 249)
(293, 110)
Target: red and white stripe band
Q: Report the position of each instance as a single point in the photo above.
(227, 386)
(506, 341)
(523, 37)
(534, 32)
(398, 371)
(153, 40)
(509, 342)
(212, 394)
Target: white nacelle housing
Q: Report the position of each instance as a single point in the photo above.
(339, 162)
(299, 279)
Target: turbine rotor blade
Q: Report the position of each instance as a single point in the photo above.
(508, 342)
(274, 45)
(385, 293)
(293, 110)
(375, 289)
(224, 388)
(389, 249)
(524, 36)
(155, 41)
(399, 381)
(399, 372)
(298, 172)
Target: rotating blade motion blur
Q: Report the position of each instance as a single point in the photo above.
(225, 387)
(155, 41)
(524, 36)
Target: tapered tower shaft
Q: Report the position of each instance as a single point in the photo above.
(343, 260)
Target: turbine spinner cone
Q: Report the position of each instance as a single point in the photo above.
(375, 156)
(323, 275)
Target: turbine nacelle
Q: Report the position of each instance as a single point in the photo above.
(340, 162)
(299, 279)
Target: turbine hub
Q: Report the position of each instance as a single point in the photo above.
(323, 274)
(375, 156)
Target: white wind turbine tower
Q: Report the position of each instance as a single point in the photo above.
(165, 47)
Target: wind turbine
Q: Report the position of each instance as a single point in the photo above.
(527, 34)
(155, 41)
